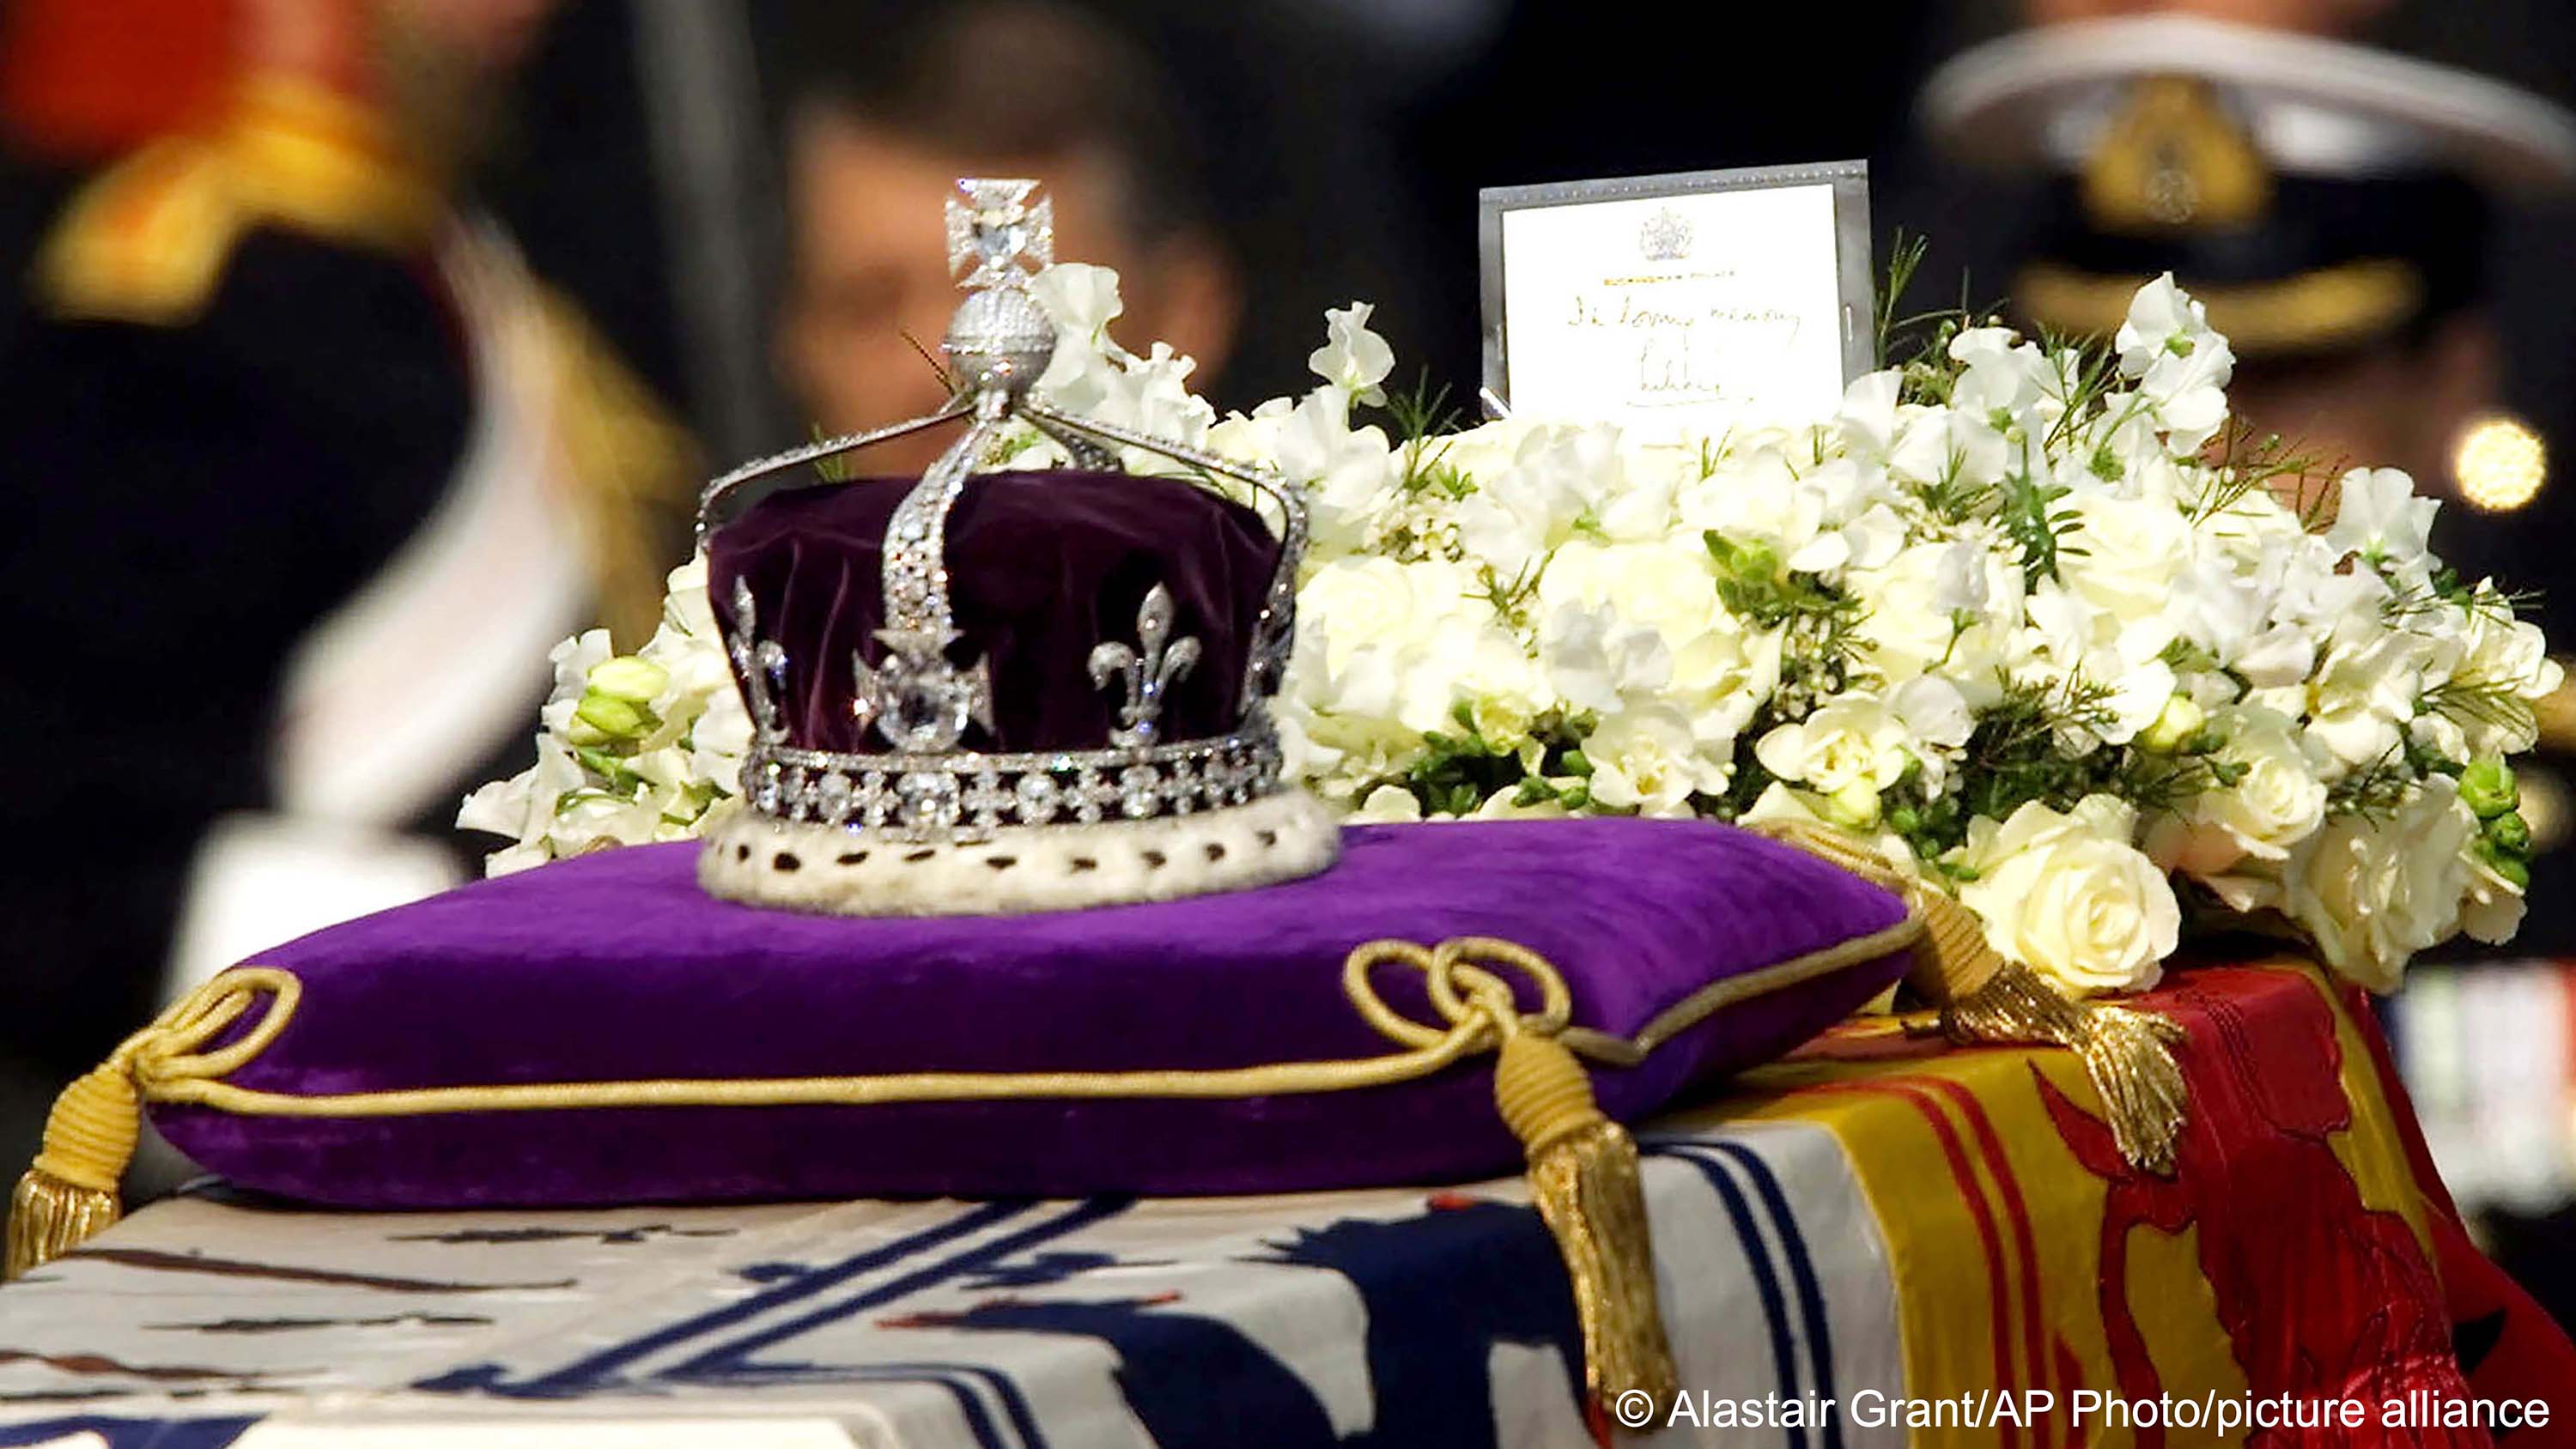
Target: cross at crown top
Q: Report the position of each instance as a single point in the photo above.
(999, 227)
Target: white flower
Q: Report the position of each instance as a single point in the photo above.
(2131, 552)
(1353, 359)
(1719, 669)
(1646, 759)
(2005, 375)
(2372, 893)
(1597, 661)
(1554, 482)
(1946, 606)
(2378, 516)
(2276, 801)
(1863, 579)
(2070, 897)
(2489, 668)
(1082, 300)
(2362, 694)
(1779, 802)
(2492, 910)
(1853, 739)
(1347, 470)
(2179, 364)
(1387, 805)
(1382, 627)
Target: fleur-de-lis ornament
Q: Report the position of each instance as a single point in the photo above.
(1163, 661)
(761, 665)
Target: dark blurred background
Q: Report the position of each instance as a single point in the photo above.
(1294, 156)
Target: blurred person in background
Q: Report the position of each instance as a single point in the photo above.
(309, 473)
(2329, 203)
(878, 132)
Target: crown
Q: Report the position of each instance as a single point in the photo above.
(996, 689)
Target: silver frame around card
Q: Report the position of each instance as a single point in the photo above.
(1854, 267)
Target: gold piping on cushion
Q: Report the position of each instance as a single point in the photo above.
(2128, 1055)
(177, 1077)
(2329, 307)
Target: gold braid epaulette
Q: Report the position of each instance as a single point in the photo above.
(148, 241)
(1583, 1167)
(1982, 997)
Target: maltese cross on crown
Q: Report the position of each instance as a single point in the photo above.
(1000, 227)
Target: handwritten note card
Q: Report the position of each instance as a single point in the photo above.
(1679, 307)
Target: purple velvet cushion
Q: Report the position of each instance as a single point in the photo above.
(616, 967)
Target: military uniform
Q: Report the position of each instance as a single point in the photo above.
(310, 475)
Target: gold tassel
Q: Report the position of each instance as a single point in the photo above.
(69, 1195)
(1583, 1175)
(2127, 1054)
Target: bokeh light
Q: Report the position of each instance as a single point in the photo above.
(2500, 464)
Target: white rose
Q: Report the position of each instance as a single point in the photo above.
(2373, 893)
(2276, 802)
(1914, 607)
(2068, 896)
(2132, 549)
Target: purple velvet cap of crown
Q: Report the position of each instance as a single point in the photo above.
(617, 967)
(1041, 567)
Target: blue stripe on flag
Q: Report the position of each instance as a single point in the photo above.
(729, 1360)
(1766, 1280)
(1802, 1268)
(793, 1282)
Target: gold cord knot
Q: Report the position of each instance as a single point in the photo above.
(69, 1194)
(1583, 1170)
